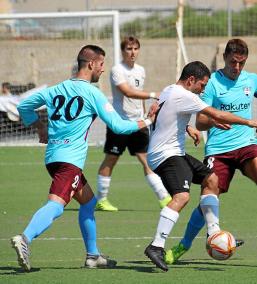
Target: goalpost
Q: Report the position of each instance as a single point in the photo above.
(65, 15)
(181, 48)
(39, 49)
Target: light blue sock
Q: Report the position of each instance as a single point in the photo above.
(210, 208)
(194, 226)
(88, 226)
(43, 219)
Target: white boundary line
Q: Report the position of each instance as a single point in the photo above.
(103, 238)
(109, 238)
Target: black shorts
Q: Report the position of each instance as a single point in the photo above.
(178, 172)
(136, 142)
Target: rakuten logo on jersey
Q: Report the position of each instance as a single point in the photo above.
(234, 107)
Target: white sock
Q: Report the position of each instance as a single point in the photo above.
(209, 204)
(168, 218)
(156, 184)
(103, 184)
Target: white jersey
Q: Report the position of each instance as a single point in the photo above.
(168, 133)
(127, 108)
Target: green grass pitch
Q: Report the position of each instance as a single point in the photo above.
(58, 255)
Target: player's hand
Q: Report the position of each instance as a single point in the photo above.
(152, 111)
(223, 126)
(252, 123)
(42, 135)
(41, 131)
(194, 134)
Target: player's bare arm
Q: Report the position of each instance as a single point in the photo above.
(204, 122)
(194, 134)
(137, 94)
(227, 117)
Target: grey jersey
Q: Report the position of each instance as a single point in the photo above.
(128, 108)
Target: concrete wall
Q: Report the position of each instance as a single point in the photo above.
(82, 5)
(48, 62)
(51, 61)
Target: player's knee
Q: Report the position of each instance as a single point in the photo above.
(211, 183)
(89, 207)
(181, 199)
(56, 207)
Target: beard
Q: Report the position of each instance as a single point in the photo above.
(95, 79)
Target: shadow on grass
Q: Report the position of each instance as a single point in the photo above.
(11, 270)
(206, 265)
(143, 266)
(218, 264)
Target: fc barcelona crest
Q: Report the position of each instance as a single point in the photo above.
(247, 91)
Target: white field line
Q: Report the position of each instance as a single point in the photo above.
(111, 238)
(103, 238)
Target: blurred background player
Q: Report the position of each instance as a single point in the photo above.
(167, 157)
(72, 106)
(8, 103)
(231, 89)
(127, 82)
(6, 89)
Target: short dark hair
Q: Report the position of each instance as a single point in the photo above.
(6, 85)
(88, 53)
(129, 40)
(236, 45)
(196, 69)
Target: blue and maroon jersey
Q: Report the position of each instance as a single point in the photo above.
(72, 106)
(235, 96)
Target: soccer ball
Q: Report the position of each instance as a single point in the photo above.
(221, 245)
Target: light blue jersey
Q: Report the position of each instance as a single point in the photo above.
(72, 106)
(234, 96)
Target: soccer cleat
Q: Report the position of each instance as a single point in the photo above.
(21, 247)
(156, 255)
(163, 202)
(105, 205)
(99, 261)
(239, 243)
(172, 255)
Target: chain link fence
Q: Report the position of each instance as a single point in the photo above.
(42, 51)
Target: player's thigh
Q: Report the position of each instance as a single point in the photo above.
(84, 194)
(67, 179)
(224, 169)
(138, 142)
(250, 169)
(247, 157)
(115, 144)
(176, 174)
